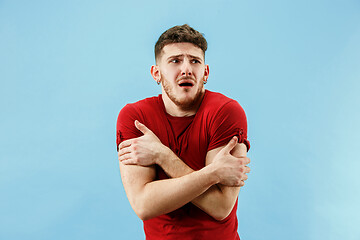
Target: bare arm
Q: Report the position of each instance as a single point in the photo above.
(217, 201)
(151, 198)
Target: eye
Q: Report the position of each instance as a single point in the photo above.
(174, 60)
(195, 61)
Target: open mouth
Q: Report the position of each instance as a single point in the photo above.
(186, 83)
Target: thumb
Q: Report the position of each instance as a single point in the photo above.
(142, 128)
(231, 144)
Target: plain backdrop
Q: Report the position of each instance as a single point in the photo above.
(68, 67)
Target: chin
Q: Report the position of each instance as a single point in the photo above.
(188, 102)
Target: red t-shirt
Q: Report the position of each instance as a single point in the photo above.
(218, 119)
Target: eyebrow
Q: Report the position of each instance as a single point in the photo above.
(181, 55)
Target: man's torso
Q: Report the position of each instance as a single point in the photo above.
(217, 120)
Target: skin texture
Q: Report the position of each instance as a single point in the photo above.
(229, 161)
(182, 72)
(181, 63)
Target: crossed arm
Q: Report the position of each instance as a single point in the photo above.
(213, 189)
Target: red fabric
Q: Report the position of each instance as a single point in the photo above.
(218, 119)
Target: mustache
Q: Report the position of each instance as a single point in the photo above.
(186, 78)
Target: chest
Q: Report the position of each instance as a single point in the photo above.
(187, 138)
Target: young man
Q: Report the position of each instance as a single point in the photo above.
(182, 154)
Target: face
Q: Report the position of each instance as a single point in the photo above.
(182, 72)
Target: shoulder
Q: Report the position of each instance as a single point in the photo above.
(215, 102)
(141, 110)
(144, 106)
(225, 118)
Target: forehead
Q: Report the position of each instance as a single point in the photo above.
(176, 49)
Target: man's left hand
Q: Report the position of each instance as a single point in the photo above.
(144, 150)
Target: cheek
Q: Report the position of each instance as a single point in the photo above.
(200, 73)
(169, 73)
(200, 69)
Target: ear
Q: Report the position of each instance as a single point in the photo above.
(155, 73)
(206, 73)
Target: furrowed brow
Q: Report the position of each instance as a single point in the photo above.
(194, 57)
(175, 56)
(182, 55)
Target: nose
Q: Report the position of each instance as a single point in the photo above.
(186, 69)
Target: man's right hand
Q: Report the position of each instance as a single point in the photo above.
(230, 170)
(143, 151)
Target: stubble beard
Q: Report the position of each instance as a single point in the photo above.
(187, 104)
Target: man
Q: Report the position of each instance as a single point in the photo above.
(182, 154)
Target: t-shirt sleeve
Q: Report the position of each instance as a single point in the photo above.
(125, 126)
(228, 122)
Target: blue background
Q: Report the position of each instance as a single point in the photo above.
(68, 67)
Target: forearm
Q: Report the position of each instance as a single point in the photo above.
(217, 201)
(163, 196)
(150, 198)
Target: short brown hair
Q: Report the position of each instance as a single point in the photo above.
(179, 34)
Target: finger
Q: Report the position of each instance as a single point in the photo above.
(125, 143)
(245, 177)
(125, 157)
(231, 144)
(142, 128)
(246, 169)
(241, 184)
(245, 160)
(128, 162)
(124, 150)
